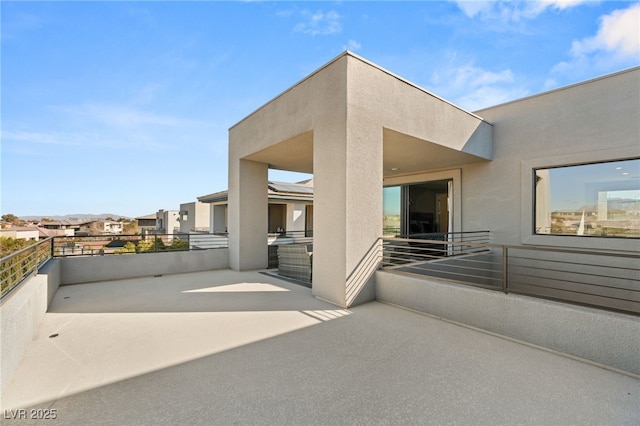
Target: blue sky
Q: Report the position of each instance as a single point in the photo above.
(124, 107)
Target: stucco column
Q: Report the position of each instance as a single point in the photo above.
(248, 215)
(347, 168)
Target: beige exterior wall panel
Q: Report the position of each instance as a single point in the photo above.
(248, 215)
(394, 103)
(330, 214)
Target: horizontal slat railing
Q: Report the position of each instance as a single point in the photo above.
(604, 279)
(473, 263)
(609, 280)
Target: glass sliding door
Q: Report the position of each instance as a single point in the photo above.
(308, 222)
(277, 218)
(417, 209)
(392, 211)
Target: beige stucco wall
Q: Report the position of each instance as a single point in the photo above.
(380, 99)
(345, 107)
(83, 269)
(22, 311)
(247, 214)
(296, 215)
(594, 121)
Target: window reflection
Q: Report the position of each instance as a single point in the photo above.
(601, 200)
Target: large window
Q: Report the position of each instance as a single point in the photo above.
(593, 200)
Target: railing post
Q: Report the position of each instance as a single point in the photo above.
(505, 271)
(53, 246)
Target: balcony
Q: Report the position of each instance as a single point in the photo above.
(222, 347)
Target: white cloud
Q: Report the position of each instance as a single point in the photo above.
(112, 126)
(473, 8)
(319, 23)
(615, 45)
(57, 138)
(619, 33)
(33, 137)
(469, 76)
(512, 11)
(352, 45)
(122, 116)
(474, 88)
(487, 96)
(561, 4)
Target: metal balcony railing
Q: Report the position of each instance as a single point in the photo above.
(20, 265)
(604, 279)
(100, 245)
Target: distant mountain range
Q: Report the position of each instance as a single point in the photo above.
(80, 217)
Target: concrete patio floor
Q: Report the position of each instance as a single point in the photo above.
(224, 347)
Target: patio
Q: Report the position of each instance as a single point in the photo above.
(224, 347)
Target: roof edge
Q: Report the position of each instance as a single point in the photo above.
(412, 84)
(365, 61)
(559, 89)
(290, 88)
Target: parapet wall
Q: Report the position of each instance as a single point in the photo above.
(77, 270)
(22, 312)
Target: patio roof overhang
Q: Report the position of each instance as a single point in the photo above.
(402, 154)
(294, 154)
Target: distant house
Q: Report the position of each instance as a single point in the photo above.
(146, 223)
(290, 208)
(101, 227)
(21, 233)
(46, 233)
(63, 224)
(68, 228)
(194, 217)
(34, 232)
(167, 221)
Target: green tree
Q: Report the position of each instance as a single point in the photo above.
(158, 244)
(144, 246)
(13, 269)
(11, 245)
(130, 226)
(154, 245)
(129, 247)
(10, 218)
(178, 244)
